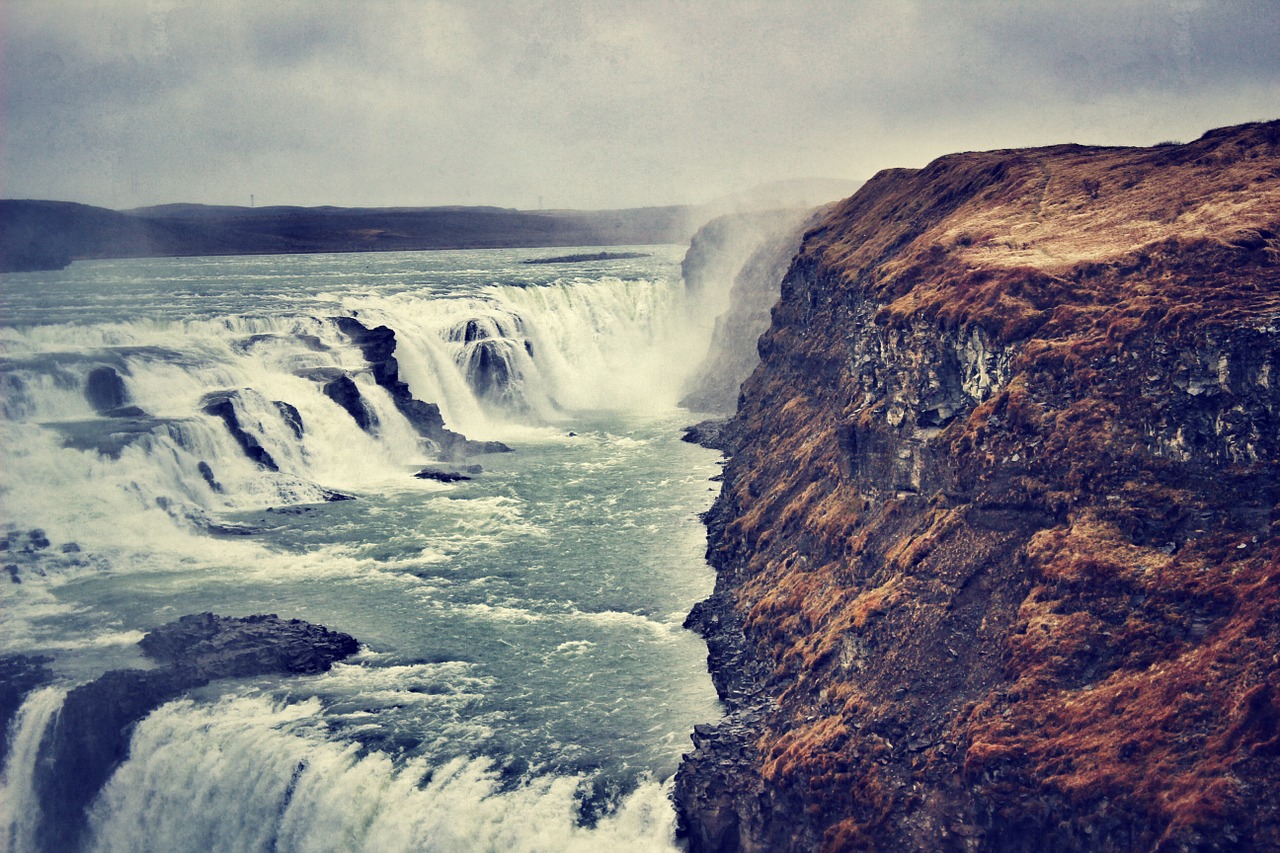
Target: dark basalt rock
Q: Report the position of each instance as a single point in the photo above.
(211, 646)
(378, 347)
(489, 370)
(714, 434)
(19, 675)
(105, 390)
(449, 475)
(90, 736)
(220, 404)
(343, 391)
(291, 416)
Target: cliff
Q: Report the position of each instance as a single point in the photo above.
(998, 545)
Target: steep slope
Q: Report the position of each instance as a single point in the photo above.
(998, 547)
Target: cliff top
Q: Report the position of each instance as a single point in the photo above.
(956, 233)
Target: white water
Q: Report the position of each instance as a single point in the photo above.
(19, 808)
(524, 664)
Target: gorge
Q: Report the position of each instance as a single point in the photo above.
(998, 541)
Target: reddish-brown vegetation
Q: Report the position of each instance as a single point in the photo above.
(1003, 528)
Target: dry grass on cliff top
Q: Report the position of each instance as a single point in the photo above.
(1060, 667)
(1003, 238)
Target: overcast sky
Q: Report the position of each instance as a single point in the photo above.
(590, 104)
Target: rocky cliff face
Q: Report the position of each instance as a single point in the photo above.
(998, 547)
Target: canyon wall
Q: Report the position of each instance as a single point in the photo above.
(998, 544)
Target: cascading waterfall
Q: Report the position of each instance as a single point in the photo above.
(19, 807)
(172, 454)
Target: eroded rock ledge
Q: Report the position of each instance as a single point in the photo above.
(998, 545)
(90, 736)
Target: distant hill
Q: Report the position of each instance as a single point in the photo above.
(51, 234)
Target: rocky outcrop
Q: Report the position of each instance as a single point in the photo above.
(221, 405)
(90, 736)
(998, 546)
(378, 345)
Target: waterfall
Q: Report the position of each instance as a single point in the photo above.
(19, 807)
(299, 794)
(157, 462)
(176, 422)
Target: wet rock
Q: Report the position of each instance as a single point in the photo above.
(714, 434)
(378, 345)
(90, 736)
(291, 416)
(105, 390)
(444, 475)
(207, 473)
(343, 391)
(221, 405)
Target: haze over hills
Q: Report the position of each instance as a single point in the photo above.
(38, 234)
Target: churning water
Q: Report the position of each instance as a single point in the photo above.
(523, 683)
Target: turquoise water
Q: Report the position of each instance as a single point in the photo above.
(523, 681)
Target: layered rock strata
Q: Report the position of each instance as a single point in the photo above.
(998, 545)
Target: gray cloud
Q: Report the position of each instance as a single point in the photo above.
(591, 104)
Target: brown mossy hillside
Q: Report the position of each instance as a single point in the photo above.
(1003, 530)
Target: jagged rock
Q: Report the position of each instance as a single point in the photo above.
(1001, 513)
(221, 405)
(449, 475)
(713, 434)
(90, 735)
(211, 646)
(378, 345)
(291, 416)
(343, 391)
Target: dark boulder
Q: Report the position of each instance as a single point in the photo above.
(490, 372)
(449, 475)
(211, 646)
(343, 391)
(378, 345)
(105, 390)
(221, 405)
(291, 416)
(91, 734)
(714, 434)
